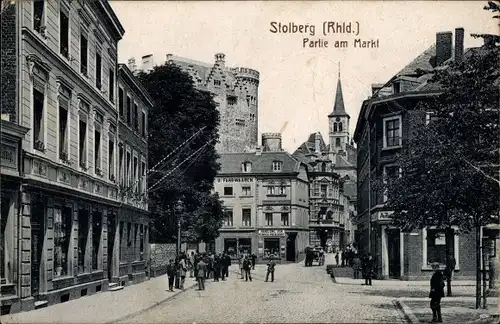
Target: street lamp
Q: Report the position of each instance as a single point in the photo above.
(179, 207)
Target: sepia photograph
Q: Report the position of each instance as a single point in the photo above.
(250, 161)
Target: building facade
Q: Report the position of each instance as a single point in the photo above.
(59, 234)
(386, 120)
(235, 90)
(332, 178)
(265, 195)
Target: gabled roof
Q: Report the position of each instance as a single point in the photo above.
(230, 163)
(309, 146)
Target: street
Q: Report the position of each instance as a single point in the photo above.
(299, 294)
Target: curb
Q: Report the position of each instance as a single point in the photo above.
(406, 311)
(154, 305)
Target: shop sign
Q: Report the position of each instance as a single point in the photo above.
(237, 180)
(9, 156)
(272, 232)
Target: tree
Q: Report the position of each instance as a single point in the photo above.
(450, 166)
(180, 111)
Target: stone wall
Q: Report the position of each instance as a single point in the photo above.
(160, 255)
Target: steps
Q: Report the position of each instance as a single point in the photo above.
(113, 286)
(41, 304)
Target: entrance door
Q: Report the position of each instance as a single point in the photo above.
(290, 247)
(111, 228)
(37, 231)
(393, 247)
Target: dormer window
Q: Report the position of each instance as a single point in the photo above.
(277, 165)
(396, 87)
(217, 83)
(246, 167)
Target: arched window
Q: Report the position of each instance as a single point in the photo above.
(337, 142)
(334, 127)
(323, 167)
(340, 126)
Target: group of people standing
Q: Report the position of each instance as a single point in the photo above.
(359, 264)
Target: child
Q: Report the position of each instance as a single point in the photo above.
(171, 272)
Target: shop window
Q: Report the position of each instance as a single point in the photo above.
(83, 232)
(136, 232)
(96, 238)
(245, 246)
(228, 191)
(436, 245)
(269, 219)
(5, 207)
(141, 243)
(285, 219)
(63, 220)
(129, 239)
(271, 247)
(228, 218)
(230, 247)
(121, 242)
(246, 217)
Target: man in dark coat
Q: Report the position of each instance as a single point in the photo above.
(368, 269)
(171, 273)
(254, 258)
(247, 266)
(437, 292)
(451, 263)
(226, 264)
(217, 268)
(202, 272)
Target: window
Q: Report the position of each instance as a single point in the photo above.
(98, 69)
(120, 165)
(83, 144)
(83, 232)
(111, 160)
(270, 190)
(38, 127)
(129, 108)
(5, 206)
(97, 151)
(397, 87)
(143, 177)
(245, 246)
(246, 191)
(231, 247)
(63, 133)
(39, 16)
(337, 142)
(282, 190)
(217, 83)
(277, 165)
(84, 48)
(120, 101)
(121, 241)
(269, 219)
(63, 34)
(271, 247)
(392, 132)
(334, 127)
(340, 126)
(136, 117)
(111, 85)
(136, 232)
(143, 123)
(228, 191)
(228, 218)
(324, 190)
(246, 216)
(63, 220)
(96, 238)
(323, 167)
(284, 219)
(436, 245)
(246, 167)
(135, 174)
(127, 170)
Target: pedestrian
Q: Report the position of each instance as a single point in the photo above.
(451, 263)
(270, 269)
(228, 264)
(171, 272)
(437, 292)
(254, 258)
(240, 263)
(356, 266)
(337, 258)
(195, 266)
(217, 268)
(202, 269)
(191, 265)
(182, 271)
(343, 258)
(247, 266)
(368, 269)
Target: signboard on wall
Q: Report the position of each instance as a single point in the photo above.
(235, 180)
(272, 232)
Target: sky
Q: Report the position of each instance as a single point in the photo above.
(297, 84)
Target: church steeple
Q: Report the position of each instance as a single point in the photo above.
(338, 107)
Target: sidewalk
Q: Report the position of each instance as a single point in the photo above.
(103, 307)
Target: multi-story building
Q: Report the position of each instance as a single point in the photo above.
(59, 233)
(265, 195)
(332, 178)
(385, 122)
(235, 91)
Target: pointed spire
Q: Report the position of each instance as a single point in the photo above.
(338, 108)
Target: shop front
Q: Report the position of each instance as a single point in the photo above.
(236, 244)
(272, 243)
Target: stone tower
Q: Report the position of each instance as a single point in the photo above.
(338, 122)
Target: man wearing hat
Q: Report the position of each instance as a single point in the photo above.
(437, 292)
(270, 268)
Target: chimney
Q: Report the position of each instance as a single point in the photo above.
(317, 143)
(147, 63)
(220, 58)
(271, 142)
(169, 58)
(258, 150)
(131, 64)
(459, 44)
(443, 47)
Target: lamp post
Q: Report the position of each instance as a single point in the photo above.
(178, 209)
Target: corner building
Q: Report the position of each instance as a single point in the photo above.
(235, 90)
(265, 194)
(60, 239)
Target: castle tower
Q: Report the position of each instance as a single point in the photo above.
(247, 81)
(338, 122)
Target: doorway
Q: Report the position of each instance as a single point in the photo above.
(111, 228)
(291, 255)
(37, 237)
(393, 249)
